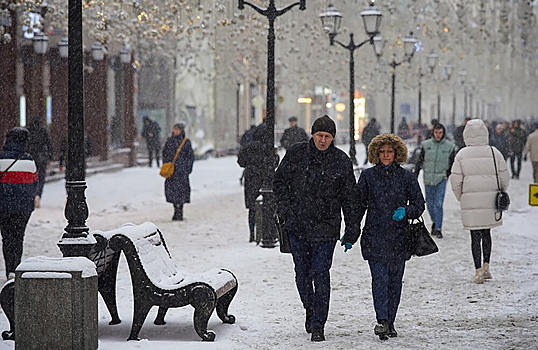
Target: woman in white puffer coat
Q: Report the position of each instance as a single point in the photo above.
(474, 184)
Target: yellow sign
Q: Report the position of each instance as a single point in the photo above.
(533, 194)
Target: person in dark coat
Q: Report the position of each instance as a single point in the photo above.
(370, 131)
(499, 140)
(151, 131)
(40, 147)
(252, 157)
(313, 185)
(390, 195)
(517, 137)
(247, 136)
(403, 129)
(458, 134)
(293, 134)
(18, 186)
(177, 188)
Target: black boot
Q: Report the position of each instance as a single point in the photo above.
(178, 212)
(317, 334)
(392, 331)
(381, 329)
(308, 321)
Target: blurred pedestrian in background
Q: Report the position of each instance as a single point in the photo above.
(370, 131)
(499, 140)
(293, 134)
(151, 131)
(177, 188)
(532, 149)
(517, 136)
(252, 158)
(18, 187)
(458, 134)
(390, 195)
(474, 183)
(40, 147)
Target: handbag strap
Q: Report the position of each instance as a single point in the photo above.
(12, 164)
(179, 148)
(496, 172)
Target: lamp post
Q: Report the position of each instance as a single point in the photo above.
(268, 208)
(409, 43)
(331, 20)
(75, 240)
(448, 73)
(461, 76)
(431, 59)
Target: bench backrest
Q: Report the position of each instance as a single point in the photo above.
(153, 254)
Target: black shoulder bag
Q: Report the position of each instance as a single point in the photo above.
(502, 200)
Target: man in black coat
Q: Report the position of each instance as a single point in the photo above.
(370, 131)
(151, 132)
(517, 137)
(458, 135)
(312, 185)
(40, 147)
(293, 134)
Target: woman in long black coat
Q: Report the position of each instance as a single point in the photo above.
(391, 195)
(177, 188)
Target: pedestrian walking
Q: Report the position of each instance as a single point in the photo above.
(64, 148)
(517, 136)
(293, 134)
(499, 140)
(436, 158)
(151, 131)
(403, 129)
(313, 185)
(370, 131)
(389, 195)
(252, 158)
(40, 147)
(474, 183)
(532, 148)
(458, 134)
(18, 186)
(177, 188)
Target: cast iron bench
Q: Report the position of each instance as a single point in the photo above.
(158, 281)
(106, 263)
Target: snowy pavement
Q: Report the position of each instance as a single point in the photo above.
(440, 307)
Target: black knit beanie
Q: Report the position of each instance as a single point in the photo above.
(324, 123)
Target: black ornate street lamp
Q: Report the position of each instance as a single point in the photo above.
(331, 20)
(268, 207)
(462, 75)
(409, 44)
(75, 240)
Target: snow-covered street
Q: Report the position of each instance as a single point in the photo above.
(440, 307)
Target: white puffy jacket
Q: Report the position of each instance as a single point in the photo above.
(473, 178)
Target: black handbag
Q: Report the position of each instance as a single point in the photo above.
(502, 200)
(420, 241)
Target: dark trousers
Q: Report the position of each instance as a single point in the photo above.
(12, 227)
(515, 159)
(480, 244)
(386, 288)
(41, 173)
(366, 160)
(252, 222)
(154, 150)
(313, 261)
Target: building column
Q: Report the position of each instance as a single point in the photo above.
(95, 105)
(9, 103)
(33, 83)
(130, 131)
(58, 92)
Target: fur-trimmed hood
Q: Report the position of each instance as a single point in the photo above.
(387, 139)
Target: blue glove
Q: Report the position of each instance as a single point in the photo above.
(399, 214)
(347, 245)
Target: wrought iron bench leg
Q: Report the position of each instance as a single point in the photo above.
(140, 313)
(159, 320)
(7, 301)
(222, 306)
(203, 301)
(107, 288)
